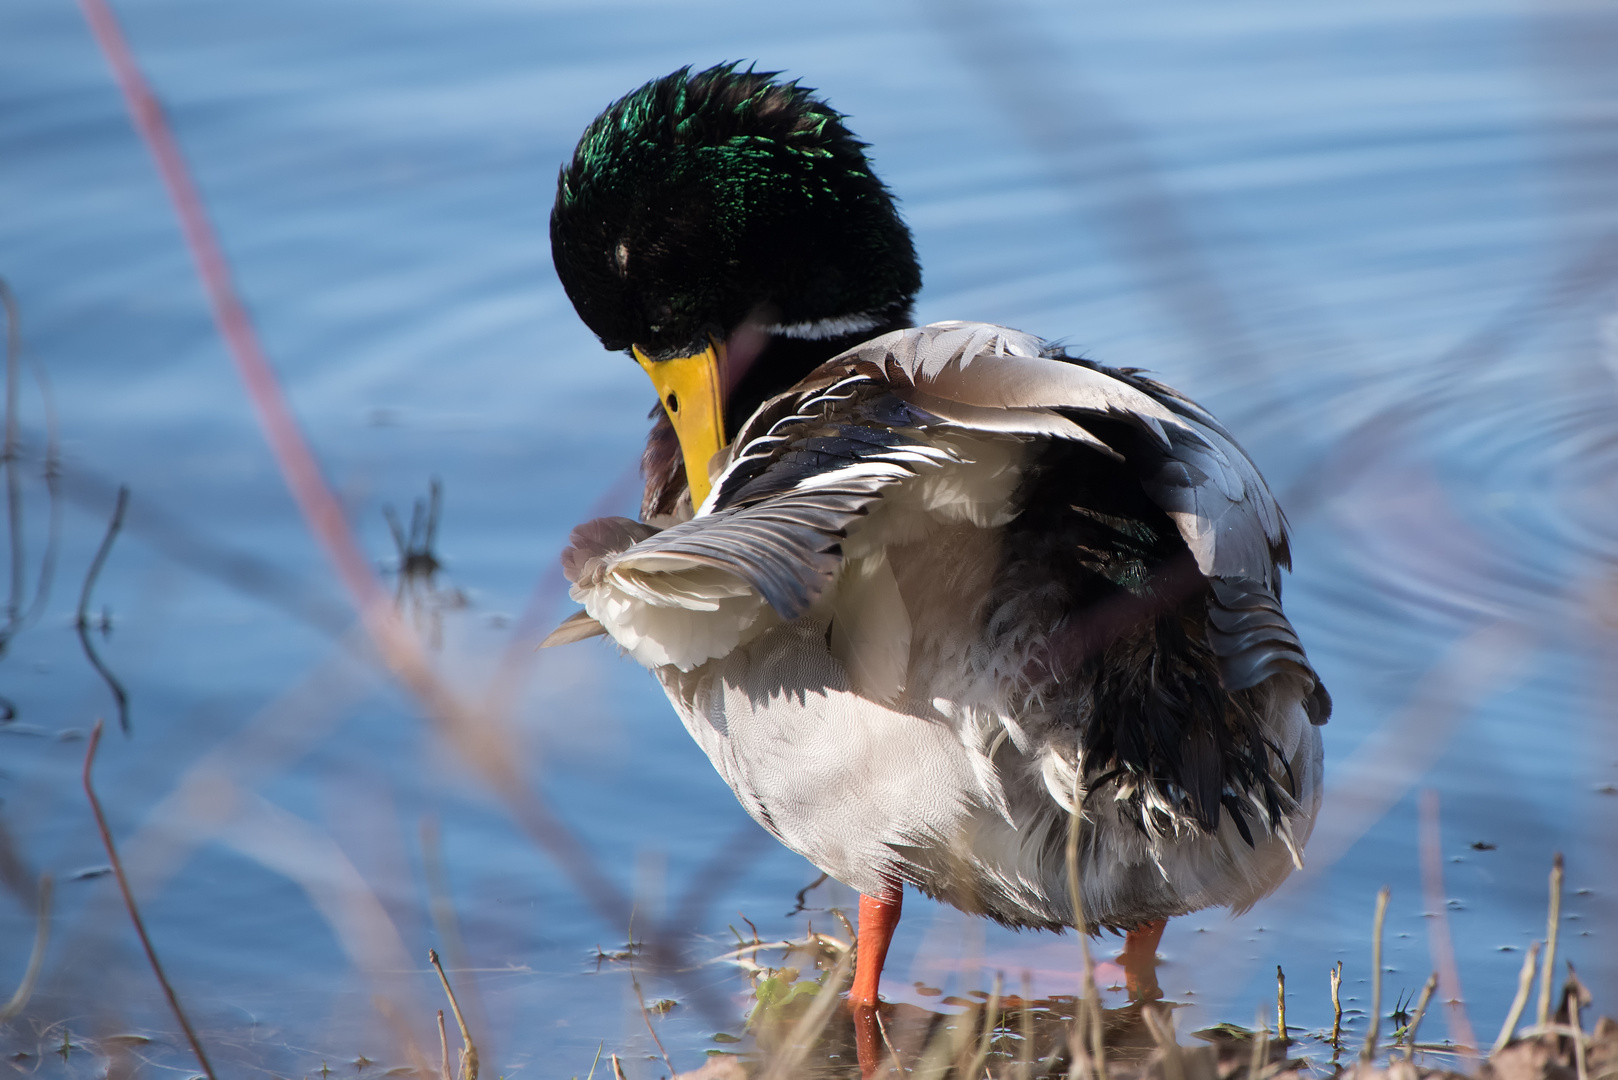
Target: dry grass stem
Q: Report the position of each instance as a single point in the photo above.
(1525, 982)
(469, 1050)
(1336, 974)
(443, 1049)
(1368, 1051)
(991, 1014)
(1415, 1018)
(1160, 1022)
(129, 904)
(36, 958)
(646, 1015)
(1574, 990)
(1261, 1047)
(618, 1069)
(811, 1023)
(943, 1051)
(1281, 1005)
(848, 927)
(1025, 1051)
(1552, 924)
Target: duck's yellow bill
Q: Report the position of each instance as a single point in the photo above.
(692, 389)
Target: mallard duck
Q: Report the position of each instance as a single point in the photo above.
(926, 596)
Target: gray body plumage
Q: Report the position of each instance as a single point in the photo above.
(846, 629)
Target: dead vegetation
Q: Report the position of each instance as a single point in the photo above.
(797, 1027)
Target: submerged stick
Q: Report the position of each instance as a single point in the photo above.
(9, 459)
(82, 622)
(129, 905)
(1421, 1010)
(1368, 1051)
(1525, 982)
(469, 1050)
(1552, 924)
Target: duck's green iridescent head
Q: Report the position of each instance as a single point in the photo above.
(727, 200)
(699, 198)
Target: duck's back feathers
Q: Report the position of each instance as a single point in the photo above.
(1109, 560)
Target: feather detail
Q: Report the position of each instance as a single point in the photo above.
(870, 628)
(578, 626)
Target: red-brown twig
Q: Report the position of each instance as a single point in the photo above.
(646, 1015)
(134, 912)
(1443, 948)
(474, 733)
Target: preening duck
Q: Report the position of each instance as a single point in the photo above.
(926, 596)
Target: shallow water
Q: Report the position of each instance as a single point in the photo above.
(1380, 242)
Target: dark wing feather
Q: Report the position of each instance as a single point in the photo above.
(793, 489)
(990, 378)
(1231, 523)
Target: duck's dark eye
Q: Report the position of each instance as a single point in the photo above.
(673, 402)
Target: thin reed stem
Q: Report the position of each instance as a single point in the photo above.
(443, 1049)
(1575, 989)
(991, 1017)
(134, 912)
(1025, 1051)
(646, 1015)
(1259, 1064)
(1421, 1010)
(1281, 1005)
(469, 1050)
(1336, 1008)
(1552, 924)
(1368, 1051)
(1525, 983)
(36, 959)
(1160, 1022)
(809, 1025)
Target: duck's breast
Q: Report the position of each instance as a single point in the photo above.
(845, 781)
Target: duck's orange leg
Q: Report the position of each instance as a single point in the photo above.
(879, 916)
(1140, 960)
